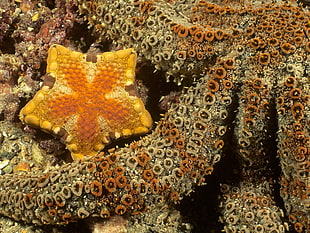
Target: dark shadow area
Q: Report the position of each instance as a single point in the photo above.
(201, 208)
(81, 36)
(50, 4)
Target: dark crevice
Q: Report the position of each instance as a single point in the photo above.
(201, 208)
(272, 148)
(50, 4)
(80, 226)
(7, 27)
(304, 3)
(7, 44)
(23, 102)
(157, 87)
(81, 36)
(2, 116)
(42, 69)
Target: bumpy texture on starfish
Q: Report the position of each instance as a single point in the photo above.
(88, 99)
(250, 100)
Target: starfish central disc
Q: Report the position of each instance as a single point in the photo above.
(87, 100)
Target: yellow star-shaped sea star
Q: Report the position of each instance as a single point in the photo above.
(88, 99)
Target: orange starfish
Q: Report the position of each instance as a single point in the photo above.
(87, 100)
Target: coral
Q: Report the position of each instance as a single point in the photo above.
(9, 101)
(88, 99)
(247, 63)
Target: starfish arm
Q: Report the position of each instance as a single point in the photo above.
(68, 67)
(255, 201)
(194, 41)
(157, 169)
(61, 108)
(122, 74)
(294, 147)
(254, 128)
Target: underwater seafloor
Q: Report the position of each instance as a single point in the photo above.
(27, 29)
(23, 44)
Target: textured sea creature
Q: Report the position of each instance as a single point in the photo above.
(249, 99)
(160, 168)
(88, 99)
(256, 205)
